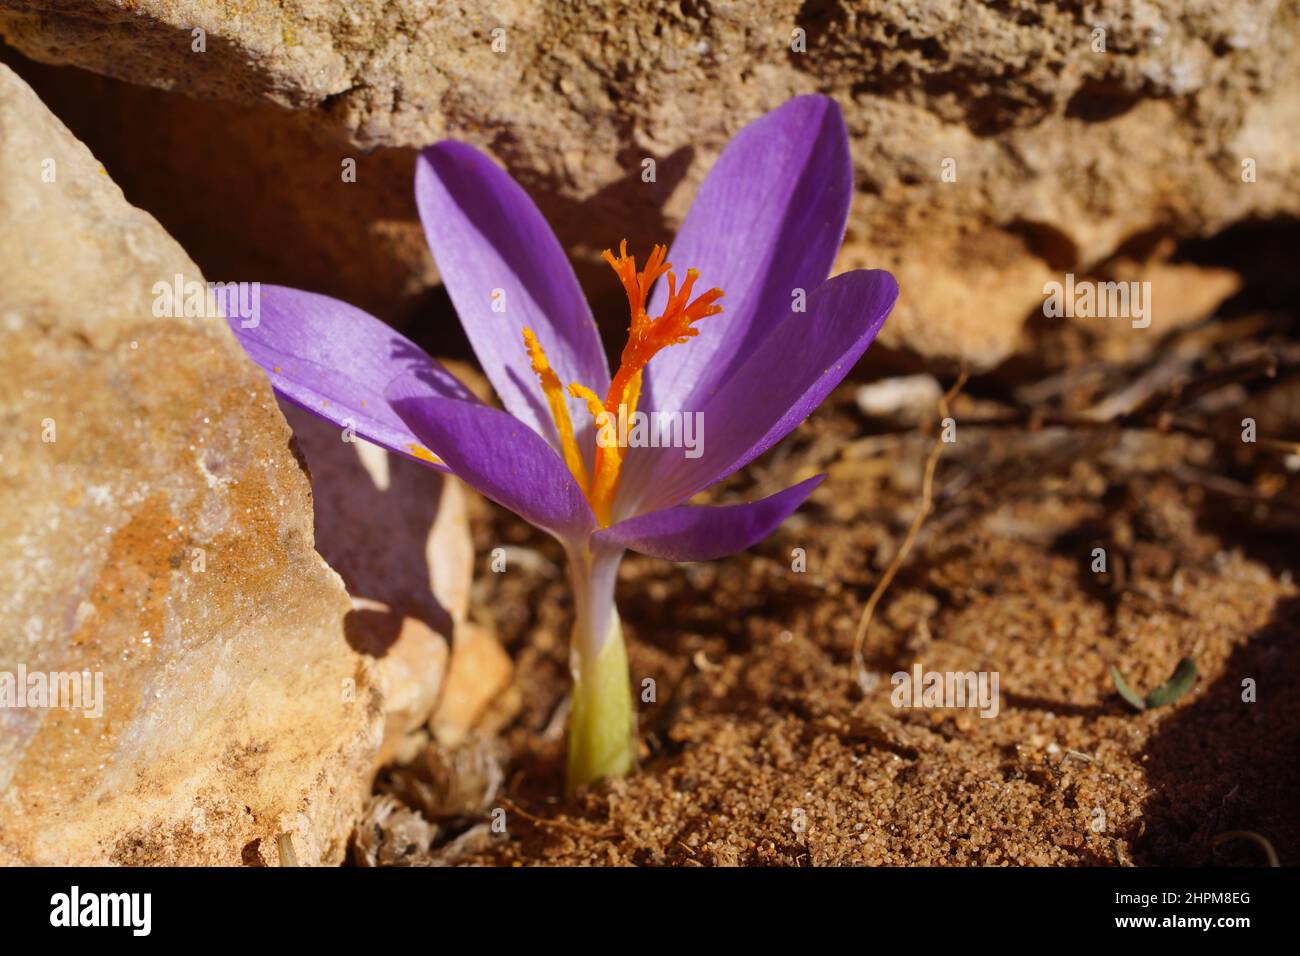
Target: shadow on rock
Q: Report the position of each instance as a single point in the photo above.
(376, 523)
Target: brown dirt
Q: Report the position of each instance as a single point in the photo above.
(757, 723)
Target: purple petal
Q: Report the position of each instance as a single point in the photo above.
(499, 456)
(487, 235)
(704, 532)
(335, 360)
(768, 220)
(776, 388)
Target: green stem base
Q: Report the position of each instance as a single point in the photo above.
(601, 724)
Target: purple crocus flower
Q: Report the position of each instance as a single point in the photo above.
(763, 232)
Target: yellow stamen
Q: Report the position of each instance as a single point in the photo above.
(422, 453)
(554, 392)
(588, 396)
(646, 337)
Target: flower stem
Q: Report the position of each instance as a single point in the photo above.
(601, 721)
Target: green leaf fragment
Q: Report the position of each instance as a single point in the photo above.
(1125, 691)
(1179, 683)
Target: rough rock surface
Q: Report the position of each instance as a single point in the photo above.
(155, 527)
(1064, 156)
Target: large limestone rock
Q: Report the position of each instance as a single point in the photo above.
(1069, 133)
(155, 529)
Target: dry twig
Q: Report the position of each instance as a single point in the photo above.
(927, 502)
(565, 825)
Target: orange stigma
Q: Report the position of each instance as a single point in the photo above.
(646, 337)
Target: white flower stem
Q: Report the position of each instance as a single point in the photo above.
(601, 721)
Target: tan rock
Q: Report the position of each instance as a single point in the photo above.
(243, 186)
(480, 671)
(1180, 293)
(1164, 297)
(411, 663)
(156, 529)
(905, 399)
(994, 145)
